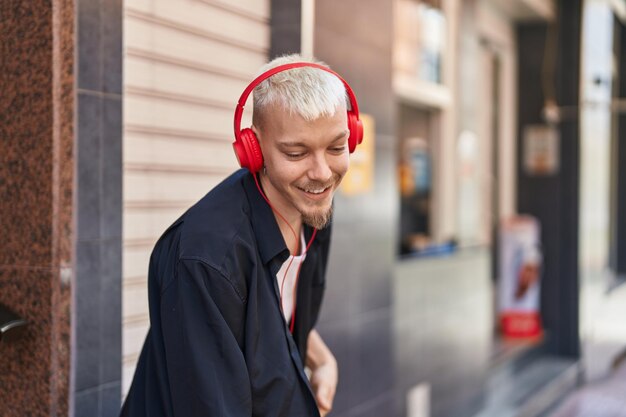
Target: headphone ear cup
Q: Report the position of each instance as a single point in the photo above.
(356, 131)
(248, 151)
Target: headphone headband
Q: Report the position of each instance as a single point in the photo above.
(354, 108)
(246, 145)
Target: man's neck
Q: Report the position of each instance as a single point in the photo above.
(290, 214)
(292, 242)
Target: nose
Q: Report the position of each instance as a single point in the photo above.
(320, 169)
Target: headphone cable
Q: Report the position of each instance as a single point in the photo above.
(295, 286)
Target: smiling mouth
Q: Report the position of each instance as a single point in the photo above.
(316, 193)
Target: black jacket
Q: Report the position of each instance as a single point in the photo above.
(218, 343)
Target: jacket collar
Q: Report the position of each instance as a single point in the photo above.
(267, 232)
(268, 237)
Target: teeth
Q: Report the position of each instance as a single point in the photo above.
(316, 191)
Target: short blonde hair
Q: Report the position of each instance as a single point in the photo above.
(306, 91)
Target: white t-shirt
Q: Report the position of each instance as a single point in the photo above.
(286, 289)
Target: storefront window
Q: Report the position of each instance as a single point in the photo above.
(424, 100)
(415, 175)
(421, 29)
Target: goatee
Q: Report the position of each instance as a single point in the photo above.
(318, 220)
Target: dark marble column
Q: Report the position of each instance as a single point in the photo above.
(97, 293)
(553, 199)
(618, 163)
(285, 23)
(36, 211)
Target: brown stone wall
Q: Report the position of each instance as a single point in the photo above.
(36, 194)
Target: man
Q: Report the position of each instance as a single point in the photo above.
(235, 284)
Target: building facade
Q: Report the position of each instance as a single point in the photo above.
(121, 118)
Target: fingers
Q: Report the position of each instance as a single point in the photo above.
(324, 398)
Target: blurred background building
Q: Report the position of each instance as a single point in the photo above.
(117, 116)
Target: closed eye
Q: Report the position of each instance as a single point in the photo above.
(294, 155)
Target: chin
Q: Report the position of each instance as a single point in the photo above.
(318, 219)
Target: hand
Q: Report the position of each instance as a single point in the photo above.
(324, 372)
(324, 383)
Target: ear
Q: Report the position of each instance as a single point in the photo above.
(256, 131)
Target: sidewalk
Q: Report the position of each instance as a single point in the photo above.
(599, 399)
(538, 384)
(603, 333)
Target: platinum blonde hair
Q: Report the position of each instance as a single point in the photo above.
(305, 91)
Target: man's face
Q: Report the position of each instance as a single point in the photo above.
(305, 161)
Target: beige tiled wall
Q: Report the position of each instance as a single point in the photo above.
(185, 64)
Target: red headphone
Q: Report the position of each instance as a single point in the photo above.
(246, 144)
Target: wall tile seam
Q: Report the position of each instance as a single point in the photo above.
(99, 387)
(103, 240)
(100, 94)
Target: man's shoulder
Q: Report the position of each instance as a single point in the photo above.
(228, 194)
(209, 227)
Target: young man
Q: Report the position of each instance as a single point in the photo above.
(235, 284)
